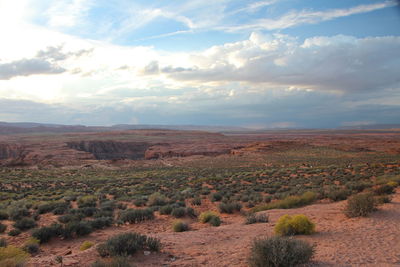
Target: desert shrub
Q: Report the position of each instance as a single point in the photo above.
(178, 212)
(136, 215)
(289, 202)
(256, 218)
(31, 246)
(339, 194)
(127, 244)
(206, 216)
(86, 245)
(3, 228)
(384, 189)
(215, 221)
(81, 228)
(383, 199)
(3, 215)
(166, 210)
(139, 202)
(360, 205)
(191, 212)
(11, 256)
(44, 234)
(108, 205)
(279, 252)
(115, 262)
(103, 213)
(229, 207)
(51, 206)
(294, 225)
(17, 213)
(157, 199)
(70, 218)
(102, 222)
(25, 224)
(3, 242)
(87, 201)
(216, 197)
(14, 232)
(180, 226)
(393, 184)
(88, 211)
(196, 201)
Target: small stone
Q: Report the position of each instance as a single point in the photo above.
(68, 252)
(146, 253)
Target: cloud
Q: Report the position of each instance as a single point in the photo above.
(338, 63)
(67, 13)
(55, 53)
(45, 62)
(27, 67)
(296, 18)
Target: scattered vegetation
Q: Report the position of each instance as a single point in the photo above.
(294, 225)
(279, 252)
(360, 205)
(127, 244)
(11, 256)
(179, 226)
(252, 218)
(86, 245)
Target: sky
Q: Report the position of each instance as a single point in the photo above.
(257, 64)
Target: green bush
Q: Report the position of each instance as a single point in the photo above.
(25, 224)
(157, 199)
(279, 252)
(136, 215)
(178, 212)
(127, 244)
(206, 216)
(339, 194)
(384, 189)
(180, 226)
(14, 232)
(256, 218)
(294, 225)
(44, 234)
(166, 210)
(215, 221)
(289, 202)
(216, 197)
(196, 201)
(87, 201)
(229, 207)
(3, 242)
(3, 228)
(101, 222)
(360, 205)
(31, 246)
(3, 215)
(17, 213)
(86, 245)
(11, 256)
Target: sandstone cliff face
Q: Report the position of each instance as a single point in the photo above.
(8, 151)
(112, 149)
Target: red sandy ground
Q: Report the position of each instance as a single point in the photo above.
(372, 241)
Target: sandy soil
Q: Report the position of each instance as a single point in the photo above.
(372, 241)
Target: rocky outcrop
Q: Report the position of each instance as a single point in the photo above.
(112, 149)
(8, 151)
(186, 150)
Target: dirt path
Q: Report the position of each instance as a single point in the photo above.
(372, 241)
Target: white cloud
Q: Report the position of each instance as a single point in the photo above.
(296, 18)
(338, 63)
